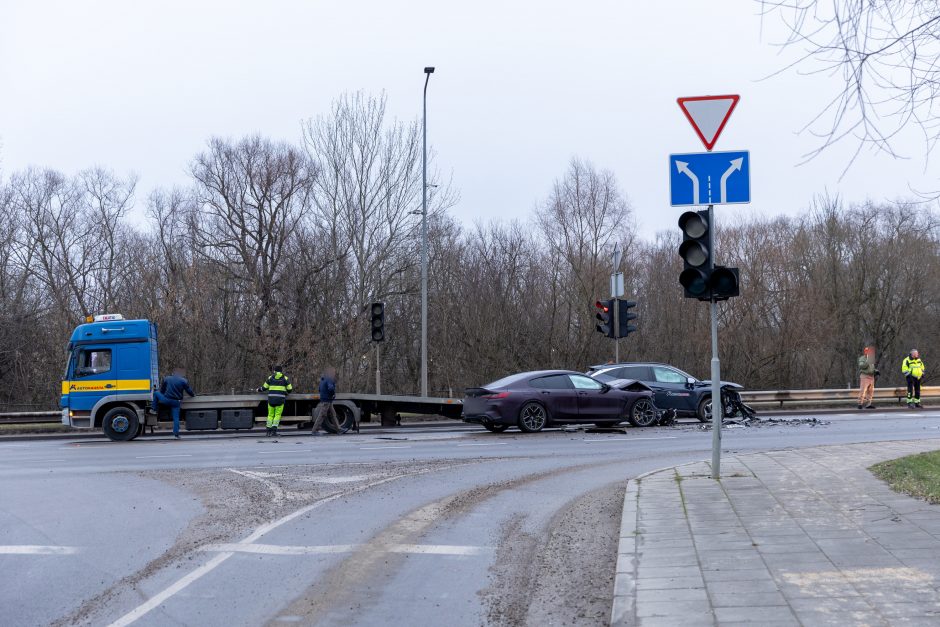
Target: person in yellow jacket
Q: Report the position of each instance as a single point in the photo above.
(913, 369)
(278, 386)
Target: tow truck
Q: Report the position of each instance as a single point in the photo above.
(113, 370)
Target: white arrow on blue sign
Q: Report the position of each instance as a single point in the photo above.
(710, 178)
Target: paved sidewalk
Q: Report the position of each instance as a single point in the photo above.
(805, 537)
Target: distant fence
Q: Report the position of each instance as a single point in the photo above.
(759, 398)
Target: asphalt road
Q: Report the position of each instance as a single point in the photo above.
(411, 526)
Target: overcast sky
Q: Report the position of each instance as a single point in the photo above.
(520, 88)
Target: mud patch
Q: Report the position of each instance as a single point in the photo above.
(563, 576)
(236, 501)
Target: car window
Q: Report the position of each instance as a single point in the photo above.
(668, 375)
(500, 383)
(97, 361)
(606, 377)
(581, 382)
(638, 373)
(552, 382)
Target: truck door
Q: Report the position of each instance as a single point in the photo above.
(91, 377)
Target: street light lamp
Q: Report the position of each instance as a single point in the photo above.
(424, 228)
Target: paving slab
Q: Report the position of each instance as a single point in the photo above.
(796, 537)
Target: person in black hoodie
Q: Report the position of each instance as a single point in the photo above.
(325, 406)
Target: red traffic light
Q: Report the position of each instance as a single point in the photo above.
(602, 306)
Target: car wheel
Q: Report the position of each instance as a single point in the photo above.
(704, 411)
(495, 428)
(120, 424)
(532, 417)
(643, 413)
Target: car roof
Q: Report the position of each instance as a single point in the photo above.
(633, 363)
(532, 374)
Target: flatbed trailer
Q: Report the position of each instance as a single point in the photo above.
(112, 373)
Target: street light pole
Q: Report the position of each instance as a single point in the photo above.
(424, 229)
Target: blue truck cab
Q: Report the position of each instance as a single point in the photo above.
(111, 373)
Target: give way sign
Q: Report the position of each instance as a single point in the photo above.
(708, 115)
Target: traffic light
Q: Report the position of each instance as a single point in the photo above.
(700, 278)
(725, 283)
(624, 316)
(696, 254)
(378, 322)
(605, 314)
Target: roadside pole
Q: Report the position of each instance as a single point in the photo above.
(378, 372)
(718, 410)
(691, 177)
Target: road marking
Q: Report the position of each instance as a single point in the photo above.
(306, 450)
(38, 461)
(34, 549)
(665, 437)
(334, 480)
(486, 444)
(162, 596)
(278, 549)
(375, 448)
(161, 456)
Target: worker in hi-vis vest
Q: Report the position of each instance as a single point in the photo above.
(278, 386)
(913, 370)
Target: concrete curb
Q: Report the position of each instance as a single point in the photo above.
(623, 610)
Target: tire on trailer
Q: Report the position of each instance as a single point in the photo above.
(642, 413)
(495, 428)
(120, 424)
(533, 417)
(345, 418)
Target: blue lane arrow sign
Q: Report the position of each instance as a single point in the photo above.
(710, 178)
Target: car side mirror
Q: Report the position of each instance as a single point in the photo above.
(690, 382)
(605, 388)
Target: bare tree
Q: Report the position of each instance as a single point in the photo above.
(885, 53)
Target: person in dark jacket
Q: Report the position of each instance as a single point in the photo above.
(325, 406)
(170, 394)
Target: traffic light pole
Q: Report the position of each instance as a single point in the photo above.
(718, 410)
(616, 330)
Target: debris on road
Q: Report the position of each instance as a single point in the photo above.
(740, 423)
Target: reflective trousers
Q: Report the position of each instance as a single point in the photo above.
(274, 415)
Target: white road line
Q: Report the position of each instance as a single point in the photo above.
(162, 596)
(306, 450)
(38, 461)
(34, 549)
(161, 456)
(666, 437)
(415, 549)
(375, 448)
(486, 444)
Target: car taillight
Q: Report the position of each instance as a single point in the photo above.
(495, 396)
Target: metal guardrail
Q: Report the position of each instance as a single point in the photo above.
(841, 395)
(755, 397)
(30, 417)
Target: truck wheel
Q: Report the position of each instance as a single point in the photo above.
(140, 432)
(642, 414)
(120, 424)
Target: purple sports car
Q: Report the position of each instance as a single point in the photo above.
(543, 398)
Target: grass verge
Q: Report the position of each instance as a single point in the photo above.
(916, 475)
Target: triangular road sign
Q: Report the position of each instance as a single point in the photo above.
(708, 115)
